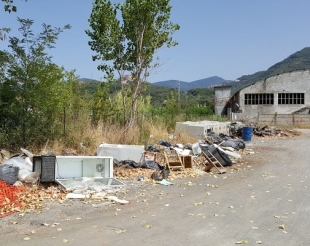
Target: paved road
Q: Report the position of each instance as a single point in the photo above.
(265, 201)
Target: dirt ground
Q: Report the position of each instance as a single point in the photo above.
(261, 200)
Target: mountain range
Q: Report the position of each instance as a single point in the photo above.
(186, 86)
(300, 60)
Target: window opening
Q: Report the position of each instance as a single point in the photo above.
(258, 99)
(291, 98)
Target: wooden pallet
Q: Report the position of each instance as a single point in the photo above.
(212, 162)
(173, 160)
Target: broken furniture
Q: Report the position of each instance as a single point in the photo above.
(211, 162)
(187, 161)
(149, 156)
(173, 160)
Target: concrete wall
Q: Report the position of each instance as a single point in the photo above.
(294, 82)
(284, 119)
(236, 117)
(222, 95)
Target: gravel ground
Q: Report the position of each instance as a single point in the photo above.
(263, 201)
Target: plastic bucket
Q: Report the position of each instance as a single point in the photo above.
(247, 133)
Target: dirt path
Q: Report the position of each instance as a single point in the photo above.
(264, 202)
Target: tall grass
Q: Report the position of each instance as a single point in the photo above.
(76, 132)
(147, 131)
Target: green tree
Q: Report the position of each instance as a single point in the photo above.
(9, 6)
(125, 37)
(171, 109)
(33, 90)
(102, 106)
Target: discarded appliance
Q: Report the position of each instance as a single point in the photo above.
(121, 151)
(71, 170)
(95, 184)
(45, 166)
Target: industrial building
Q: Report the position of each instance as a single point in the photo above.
(281, 99)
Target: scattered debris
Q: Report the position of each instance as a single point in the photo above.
(116, 199)
(281, 226)
(263, 131)
(164, 182)
(22, 178)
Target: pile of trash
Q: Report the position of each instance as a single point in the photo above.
(262, 131)
(224, 148)
(18, 168)
(21, 189)
(266, 131)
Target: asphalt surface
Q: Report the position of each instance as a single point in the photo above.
(263, 200)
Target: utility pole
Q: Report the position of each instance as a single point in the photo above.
(179, 92)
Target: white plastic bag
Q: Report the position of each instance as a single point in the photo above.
(20, 162)
(32, 178)
(22, 174)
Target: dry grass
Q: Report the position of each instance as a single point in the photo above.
(91, 137)
(146, 132)
(81, 131)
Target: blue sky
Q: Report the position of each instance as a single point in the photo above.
(225, 38)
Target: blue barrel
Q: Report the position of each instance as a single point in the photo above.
(247, 133)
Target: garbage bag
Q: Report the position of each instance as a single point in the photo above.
(196, 149)
(240, 143)
(116, 163)
(160, 175)
(165, 173)
(22, 174)
(152, 148)
(22, 163)
(225, 137)
(152, 165)
(129, 163)
(9, 173)
(164, 143)
(32, 178)
(222, 157)
(156, 176)
(216, 138)
(236, 144)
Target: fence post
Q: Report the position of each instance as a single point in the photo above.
(258, 118)
(275, 118)
(64, 121)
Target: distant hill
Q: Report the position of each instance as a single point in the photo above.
(297, 61)
(186, 86)
(159, 90)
